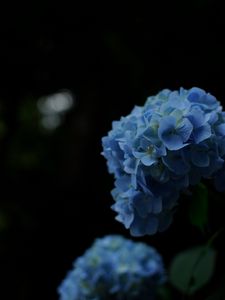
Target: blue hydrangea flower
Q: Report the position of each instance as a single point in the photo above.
(174, 140)
(114, 268)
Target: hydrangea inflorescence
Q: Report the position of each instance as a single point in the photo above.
(158, 150)
(114, 268)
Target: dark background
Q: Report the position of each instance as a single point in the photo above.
(55, 188)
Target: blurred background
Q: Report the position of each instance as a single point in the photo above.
(66, 74)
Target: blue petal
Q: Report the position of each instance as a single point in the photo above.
(184, 129)
(138, 154)
(176, 101)
(142, 226)
(159, 173)
(134, 180)
(164, 93)
(177, 145)
(145, 144)
(160, 150)
(202, 133)
(152, 225)
(148, 160)
(200, 158)
(212, 117)
(123, 183)
(195, 94)
(220, 129)
(157, 205)
(176, 163)
(167, 133)
(130, 165)
(125, 213)
(138, 227)
(125, 148)
(173, 142)
(151, 133)
(196, 117)
(143, 204)
(210, 99)
(167, 124)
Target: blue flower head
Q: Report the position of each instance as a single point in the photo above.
(114, 268)
(174, 140)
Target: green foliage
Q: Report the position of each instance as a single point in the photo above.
(198, 211)
(192, 269)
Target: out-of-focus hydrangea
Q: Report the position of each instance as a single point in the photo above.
(158, 150)
(114, 268)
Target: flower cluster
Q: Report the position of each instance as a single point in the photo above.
(158, 150)
(114, 268)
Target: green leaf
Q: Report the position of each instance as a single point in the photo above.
(192, 269)
(198, 211)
